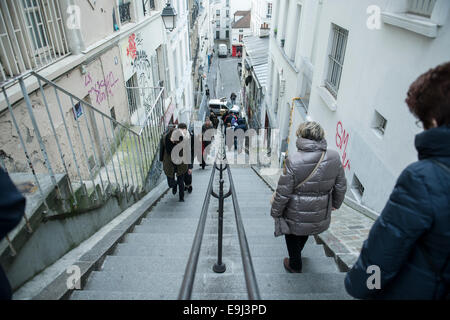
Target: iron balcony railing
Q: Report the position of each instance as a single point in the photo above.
(32, 36)
(219, 266)
(125, 12)
(54, 132)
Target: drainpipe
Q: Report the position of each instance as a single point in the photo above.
(74, 36)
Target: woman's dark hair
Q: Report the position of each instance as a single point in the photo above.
(182, 126)
(429, 96)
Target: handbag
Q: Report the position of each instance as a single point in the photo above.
(307, 178)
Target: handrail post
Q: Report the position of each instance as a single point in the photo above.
(219, 266)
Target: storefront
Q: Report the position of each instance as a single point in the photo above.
(237, 51)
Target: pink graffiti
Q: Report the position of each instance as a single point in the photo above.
(342, 138)
(132, 47)
(102, 88)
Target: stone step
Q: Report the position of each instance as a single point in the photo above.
(262, 265)
(136, 264)
(121, 295)
(176, 228)
(155, 283)
(308, 283)
(209, 249)
(168, 283)
(115, 295)
(175, 239)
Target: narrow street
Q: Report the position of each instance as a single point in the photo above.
(327, 178)
(228, 78)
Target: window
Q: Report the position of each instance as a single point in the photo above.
(296, 30)
(217, 34)
(124, 11)
(31, 35)
(113, 115)
(217, 23)
(241, 30)
(336, 59)
(269, 10)
(131, 85)
(421, 7)
(305, 93)
(227, 34)
(218, 13)
(148, 5)
(357, 188)
(420, 16)
(379, 123)
(228, 13)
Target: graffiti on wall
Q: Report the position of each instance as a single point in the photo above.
(140, 60)
(142, 67)
(342, 137)
(101, 89)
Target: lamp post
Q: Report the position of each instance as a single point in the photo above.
(169, 17)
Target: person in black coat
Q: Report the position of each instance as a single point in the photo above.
(12, 209)
(409, 244)
(188, 175)
(241, 124)
(205, 141)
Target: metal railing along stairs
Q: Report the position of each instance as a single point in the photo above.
(221, 165)
(55, 133)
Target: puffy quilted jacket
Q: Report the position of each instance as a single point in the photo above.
(410, 241)
(307, 210)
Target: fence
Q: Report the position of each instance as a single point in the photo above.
(52, 132)
(32, 36)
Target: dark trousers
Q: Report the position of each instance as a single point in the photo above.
(204, 156)
(295, 246)
(188, 179)
(179, 182)
(5, 288)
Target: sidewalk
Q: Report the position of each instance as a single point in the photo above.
(348, 229)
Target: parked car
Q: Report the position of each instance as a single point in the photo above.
(218, 106)
(223, 50)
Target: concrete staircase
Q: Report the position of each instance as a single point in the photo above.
(150, 262)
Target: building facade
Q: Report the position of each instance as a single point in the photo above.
(221, 14)
(241, 28)
(118, 70)
(261, 17)
(350, 71)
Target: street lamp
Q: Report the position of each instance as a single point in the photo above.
(169, 15)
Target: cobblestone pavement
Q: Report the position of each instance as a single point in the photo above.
(348, 229)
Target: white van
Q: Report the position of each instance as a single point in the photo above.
(218, 106)
(223, 50)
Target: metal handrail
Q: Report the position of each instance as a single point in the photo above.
(191, 267)
(129, 154)
(219, 267)
(249, 271)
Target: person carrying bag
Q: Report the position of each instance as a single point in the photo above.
(312, 185)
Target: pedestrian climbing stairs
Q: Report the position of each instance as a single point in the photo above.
(151, 260)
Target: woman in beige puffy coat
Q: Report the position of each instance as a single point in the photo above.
(303, 210)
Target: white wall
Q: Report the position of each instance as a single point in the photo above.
(180, 63)
(259, 16)
(379, 66)
(235, 35)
